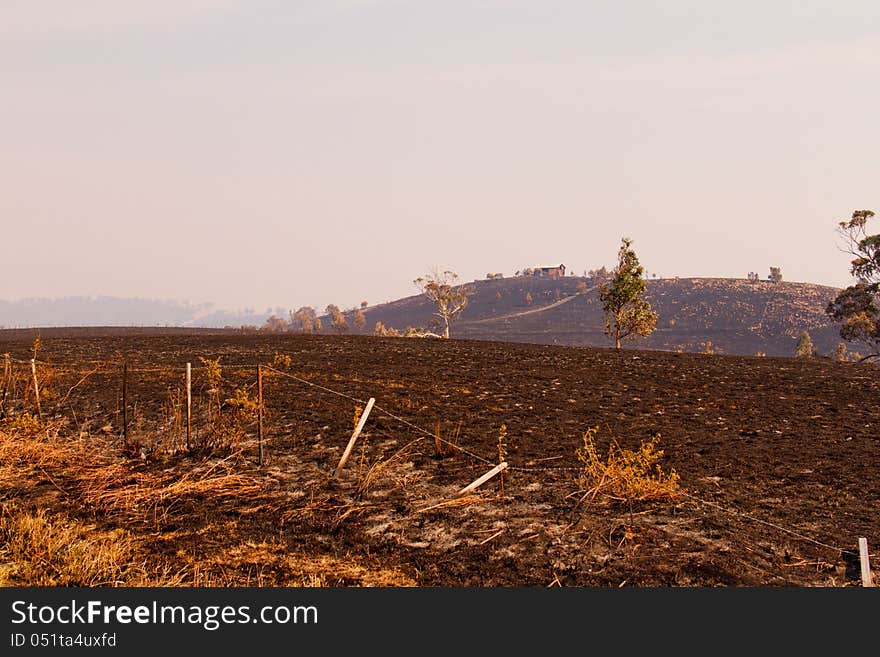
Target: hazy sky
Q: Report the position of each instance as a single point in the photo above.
(283, 152)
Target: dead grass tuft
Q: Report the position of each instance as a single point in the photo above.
(445, 447)
(273, 561)
(118, 488)
(466, 500)
(38, 549)
(625, 475)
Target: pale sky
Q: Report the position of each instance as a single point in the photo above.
(281, 153)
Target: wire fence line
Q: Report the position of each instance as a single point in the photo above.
(534, 469)
(434, 435)
(121, 362)
(386, 413)
(763, 522)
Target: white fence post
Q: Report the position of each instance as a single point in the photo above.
(357, 432)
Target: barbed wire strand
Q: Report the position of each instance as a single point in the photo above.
(387, 413)
(763, 522)
(121, 362)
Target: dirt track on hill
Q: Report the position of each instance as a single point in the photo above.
(788, 442)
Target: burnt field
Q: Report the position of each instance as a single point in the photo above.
(777, 460)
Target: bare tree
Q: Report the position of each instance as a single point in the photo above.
(360, 320)
(450, 299)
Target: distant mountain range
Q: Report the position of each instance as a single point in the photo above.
(115, 311)
(733, 316)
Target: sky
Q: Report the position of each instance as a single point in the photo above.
(256, 153)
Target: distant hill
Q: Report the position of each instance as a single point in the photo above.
(737, 316)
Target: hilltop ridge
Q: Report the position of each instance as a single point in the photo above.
(736, 316)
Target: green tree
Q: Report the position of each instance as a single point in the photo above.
(627, 314)
(857, 308)
(450, 299)
(804, 347)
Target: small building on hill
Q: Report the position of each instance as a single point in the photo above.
(557, 271)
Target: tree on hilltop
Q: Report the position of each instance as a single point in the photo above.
(450, 299)
(303, 319)
(627, 314)
(337, 319)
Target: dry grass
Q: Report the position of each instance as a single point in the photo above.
(43, 547)
(28, 448)
(380, 467)
(39, 549)
(273, 561)
(118, 488)
(444, 447)
(466, 500)
(625, 475)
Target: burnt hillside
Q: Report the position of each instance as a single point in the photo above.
(735, 315)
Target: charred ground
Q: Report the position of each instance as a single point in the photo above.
(788, 442)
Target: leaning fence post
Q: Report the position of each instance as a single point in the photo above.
(501, 467)
(260, 413)
(125, 403)
(36, 387)
(357, 432)
(188, 403)
(865, 563)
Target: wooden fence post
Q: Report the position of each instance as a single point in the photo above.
(188, 403)
(865, 563)
(125, 403)
(36, 387)
(482, 480)
(260, 413)
(6, 373)
(357, 432)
